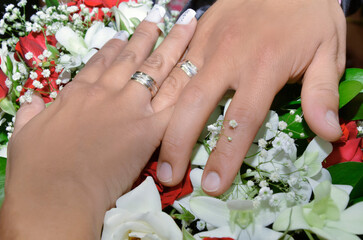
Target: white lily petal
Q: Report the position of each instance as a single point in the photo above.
(332, 234)
(102, 37)
(89, 55)
(290, 219)
(340, 197)
(252, 159)
(322, 176)
(93, 32)
(138, 11)
(351, 220)
(324, 148)
(196, 177)
(266, 215)
(266, 133)
(135, 199)
(201, 207)
(239, 204)
(345, 188)
(4, 151)
(226, 106)
(258, 232)
(219, 233)
(71, 41)
(184, 201)
(199, 155)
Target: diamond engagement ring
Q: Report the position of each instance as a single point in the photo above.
(189, 68)
(147, 81)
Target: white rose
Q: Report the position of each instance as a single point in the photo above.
(140, 217)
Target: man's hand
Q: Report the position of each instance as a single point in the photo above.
(255, 47)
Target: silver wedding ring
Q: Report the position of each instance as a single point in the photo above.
(189, 68)
(147, 81)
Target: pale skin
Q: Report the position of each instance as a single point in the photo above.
(255, 49)
(68, 163)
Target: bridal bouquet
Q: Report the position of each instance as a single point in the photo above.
(292, 184)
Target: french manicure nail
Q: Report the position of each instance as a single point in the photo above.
(186, 17)
(332, 119)
(165, 172)
(156, 14)
(211, 182)
(122, 35)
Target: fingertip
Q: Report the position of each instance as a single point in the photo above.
(211, 183)
(164, 173)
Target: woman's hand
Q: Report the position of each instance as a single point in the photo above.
(70, 162)
(255, 47)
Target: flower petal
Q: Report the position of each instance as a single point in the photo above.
(290, 219)
(199, 155)
(257, 232)
(135, 199)
(210, 210)
(351, 220)
(218, 233)
(71, 41)
(92, 32)
(102, 37)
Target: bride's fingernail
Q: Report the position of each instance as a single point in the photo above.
(186, 17)
(122, 35)
(211, 182)
(333, 120)
(165, 172)
(156, 14)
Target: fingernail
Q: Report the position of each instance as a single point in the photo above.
(211, 182)
(122, 35)
(333, 120)
(186, 17)
(165, 172)
(156, 14)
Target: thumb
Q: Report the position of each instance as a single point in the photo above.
(27, 111)
(320, 96)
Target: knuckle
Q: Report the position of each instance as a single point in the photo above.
(143, 32)
(98, 59)
(245, 116)
(172, 144)
(193, 97)
(156, 62)
(328, 88)
(171, 85)
(127, 56)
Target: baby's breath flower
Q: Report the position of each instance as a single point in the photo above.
(292, 112)
(275, 176)
(53, 95)
(19, 88)
(250, 183)
(16, 76)
(273, 202)
(282, 125)
(263, 183)
(22, 68)
(9, 7)
(22, 3)
(46, 73)
(298, 118)
(47, 53)
(263, 153)
(233, 124)
(265, 193)
(201, 225)
(58, 81)
(38, 84)
(41, 57)
(256, 202)
(33, 75)
(262, 143)
(8, 83)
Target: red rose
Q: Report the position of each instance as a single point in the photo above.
(348, 148)
(167, 194)
(3, 88)
(34, 43)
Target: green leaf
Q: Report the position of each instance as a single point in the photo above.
(354, 109)
(2, 179)
(187, 235)
(9, 66)
(186, 215)
(353, 74)
(348, 90)
(53, 50)
(52, 3)
(348, 173)
(299, 130)
(135, 21)
(8, 106)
